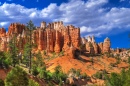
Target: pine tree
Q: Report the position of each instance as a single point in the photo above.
(13, 50)
(16, 77)
(30, 27)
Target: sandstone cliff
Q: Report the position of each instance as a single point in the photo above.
(54, 37)
(93, 48)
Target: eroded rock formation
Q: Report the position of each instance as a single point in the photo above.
(54, 37)
(106, 45)
(93, 48)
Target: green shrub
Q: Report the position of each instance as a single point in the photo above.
(85, 76)
(98, 75)
(129, 59)
(61, 53)
(33, 83)
(16, 77)
(34, 71)
(78, 72)
(58, 75)
(2, 82)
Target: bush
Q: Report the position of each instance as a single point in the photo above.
(44, 52)
(16, 77)
(61, 53)
(78, 72)
(98, 75)
(2, 82)
(43, 74)
(92, 60)
(50, 83)
(34, 71)
(113, 64)
(58, 75)
(129, 59)
(121, 79)
(85, 76)
(33, 83)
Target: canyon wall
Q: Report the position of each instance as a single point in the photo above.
(96, 48)
(53, 37)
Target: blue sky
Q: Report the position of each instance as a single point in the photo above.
(101, 18)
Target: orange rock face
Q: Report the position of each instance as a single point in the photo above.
(100, 49)
(2, 32)
(16, 28)
(94, 48)
(90, 48)
(106, 45)
(55, 37)
(57, 47)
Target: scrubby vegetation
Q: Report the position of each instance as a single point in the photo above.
(116, 79)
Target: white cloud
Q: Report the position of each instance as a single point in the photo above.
(90, 16)
(3, 23)
(122, 0)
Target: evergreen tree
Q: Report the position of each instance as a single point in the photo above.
(39, 60)
(26, 54)
(13, 50)
(16, 77)
(30, 27)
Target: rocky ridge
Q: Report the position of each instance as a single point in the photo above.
(54, 37)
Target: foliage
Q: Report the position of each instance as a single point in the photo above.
(98, 75)
(72, 70)
(50, 84)
(5, 60)
(85, 76)
(92, 60)
(113, 64)
(107, 54)
(16, 77)
(2, 82)
(38, 65)
(115, 79)
(39, 60)
(13, 50)
(118, 60)
(43, 74)
(61, 53)
(26, 51)
(33, 83)
(44, 52)
(78, 72)
(90, 44)
(30, 27)
(129, 59)
(58, 75)
(34, 70)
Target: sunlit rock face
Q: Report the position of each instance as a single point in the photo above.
(96, 48)
(106, 45)
(54, 37)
